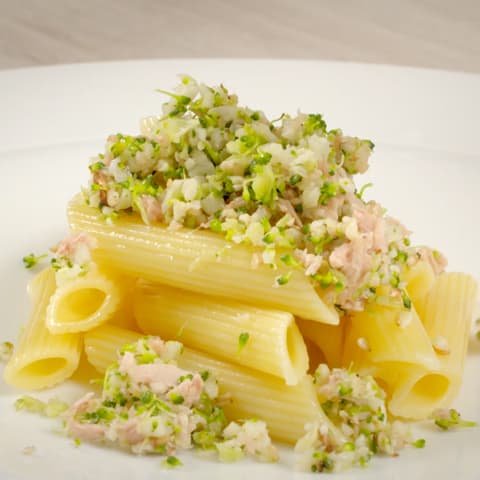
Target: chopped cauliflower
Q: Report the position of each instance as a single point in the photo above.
(356, 406)
(150, 405)
(281, 186)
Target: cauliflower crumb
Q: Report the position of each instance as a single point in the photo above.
(356, 406)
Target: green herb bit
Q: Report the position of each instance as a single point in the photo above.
(313, 123)
(96, 167)
(242, 340)
(395, 280)
(29, 261)
(181, 99)
(401, 257)
(348, 447)
(147, 357)
(323, 462)
(262, 158)
(362, 190)
(420, 443)
(407, 303)
(283, 279)
(478, 335)
(326, 280)
(146, 397)
(216, 225)
(77, 442)
(176, 398)
(128, 347)
(446, 419)
(204, 439)
(294, 179)
(288, 260)
(345, 390)
(172, 462)
(327, 191)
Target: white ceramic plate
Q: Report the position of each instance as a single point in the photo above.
(426, 171)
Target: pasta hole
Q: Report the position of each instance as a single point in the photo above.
(80, 304)
(430, 387)
(297, 355)
(291, 344)
(44, 367)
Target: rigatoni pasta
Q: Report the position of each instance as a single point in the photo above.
(266, 340)
(197, 261)
(252, 394)
(83, 303)
(328, 338)
(446, 312)
(247, 241)
(41, 359)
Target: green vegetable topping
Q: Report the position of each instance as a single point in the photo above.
(446, 419)
(362, 190)
(206, 162)
(283, 279)
(29, 261)
(420, 443)
(242, 340)
(313, 123)
(172, 462)
(176, 398)
(294, 179)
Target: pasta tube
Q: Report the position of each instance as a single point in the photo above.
(266, 340)
(447, 314)
(328, 338)
(199, 261)
(82, 303)
(285, 409)
(392, 345)
(42, 359)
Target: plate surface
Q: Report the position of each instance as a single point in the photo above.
(425, 169)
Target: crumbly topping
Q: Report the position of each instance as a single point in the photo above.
(52, 408)
(283, 186)
(247, 438)
(450, 418)
(150, 405)
(73, 256)
(356, 406)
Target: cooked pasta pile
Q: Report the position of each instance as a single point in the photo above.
(246, 241)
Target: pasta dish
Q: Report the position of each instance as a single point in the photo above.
(232, 283)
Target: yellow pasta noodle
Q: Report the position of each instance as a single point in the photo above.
(196, 260)
(285, 409)
(392, 344)
(328, 338)
(447, 315)
(41, 359)
(419, 279)
(102, 343)
(266, 340)
(83, 303)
